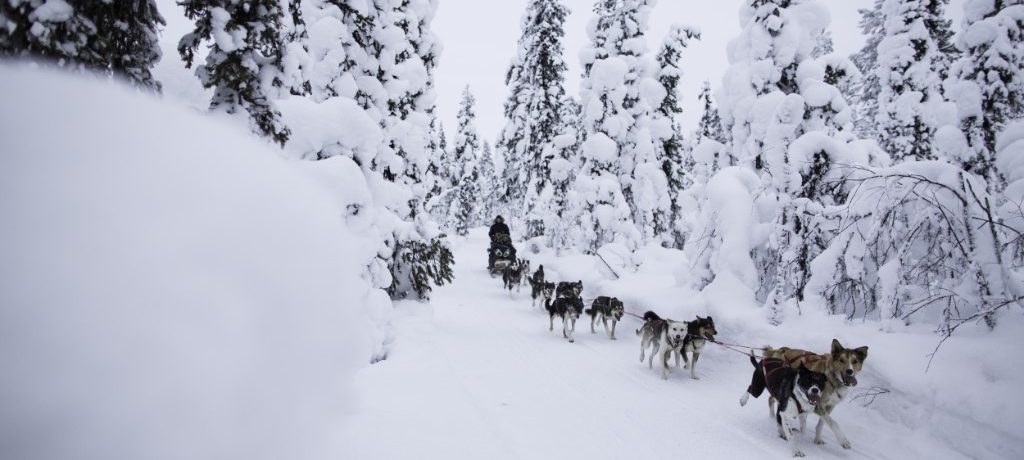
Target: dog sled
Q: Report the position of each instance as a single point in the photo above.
(500, 255)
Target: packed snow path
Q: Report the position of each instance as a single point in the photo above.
(475, 374)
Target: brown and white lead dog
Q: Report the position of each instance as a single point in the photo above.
(841, 366)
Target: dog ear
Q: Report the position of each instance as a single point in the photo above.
(709, 319)
(862, 353)
(836, 347)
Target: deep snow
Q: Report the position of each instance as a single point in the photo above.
(476, 374)
(170, 287)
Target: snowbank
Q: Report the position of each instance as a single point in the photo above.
(170, 289)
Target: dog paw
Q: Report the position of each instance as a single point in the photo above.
(846, 445)
(819, 442)
(613, 338)
(694, 377)
(798, 454)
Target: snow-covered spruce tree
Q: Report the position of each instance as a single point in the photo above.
(439, 197)
(787, 122)
(465, 155)
(244, 58)
(710, 124)
(436, 176)
(489, 185)
(405, 51)
(988, 85)
(604, 214)
(673, 162)
(535, 80)
(644, 184)
(864, 94)
(338, 61)
(119, 38)
(560, 218)
(467, 201)
(466, 146)
(914, 56)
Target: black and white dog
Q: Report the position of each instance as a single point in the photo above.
(513, 274)
(567, 308)
(542, 292)
(658, 333)
(697, 333)
(525, 266)
(606, 308)
(797, 390)
(569, 289)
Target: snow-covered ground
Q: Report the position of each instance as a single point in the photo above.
(476, 374)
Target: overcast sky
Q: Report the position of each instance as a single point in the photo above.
(479, 38)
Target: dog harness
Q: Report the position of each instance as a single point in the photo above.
(775, 364)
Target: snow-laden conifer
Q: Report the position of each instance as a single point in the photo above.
(987, 82)
(110, 37)
(536, 85)
(914, 56)
(244, 60)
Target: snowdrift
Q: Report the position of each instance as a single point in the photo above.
(170, 287)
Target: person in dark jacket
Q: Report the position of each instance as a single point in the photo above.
(500, 238)
(499, 228)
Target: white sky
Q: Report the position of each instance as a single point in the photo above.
(479, 39)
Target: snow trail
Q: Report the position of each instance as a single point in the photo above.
(476, 374)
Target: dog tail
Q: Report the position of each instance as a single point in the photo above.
(753, 360)
(651, 316)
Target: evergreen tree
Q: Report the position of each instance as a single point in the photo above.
(644, 184)
(465, 210)
(467, 142)
(605, 215)
(710, 124)
(672, 162)
(988, 80)
(914, 58)
(866, 88)
(244, 58)
(119, 38)
(489, 185)
(402, 55)
(789, 124)
(561, 216)
(536, 80)
(437, 173)
(823, 44)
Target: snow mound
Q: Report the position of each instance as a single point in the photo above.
(171, 288)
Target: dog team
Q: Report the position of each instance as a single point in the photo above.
(798, 381)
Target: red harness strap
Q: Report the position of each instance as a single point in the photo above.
(764, 367)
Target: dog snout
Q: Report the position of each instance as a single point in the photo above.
(815, 391)
(849, 372)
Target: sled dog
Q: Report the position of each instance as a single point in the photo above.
(569, 289)
(525, 266)
(604, 309)
(698, 332)
(798, 390)
(512, 275)
(841, 367)
(567, 308)
(658, 334)
(542, 292)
